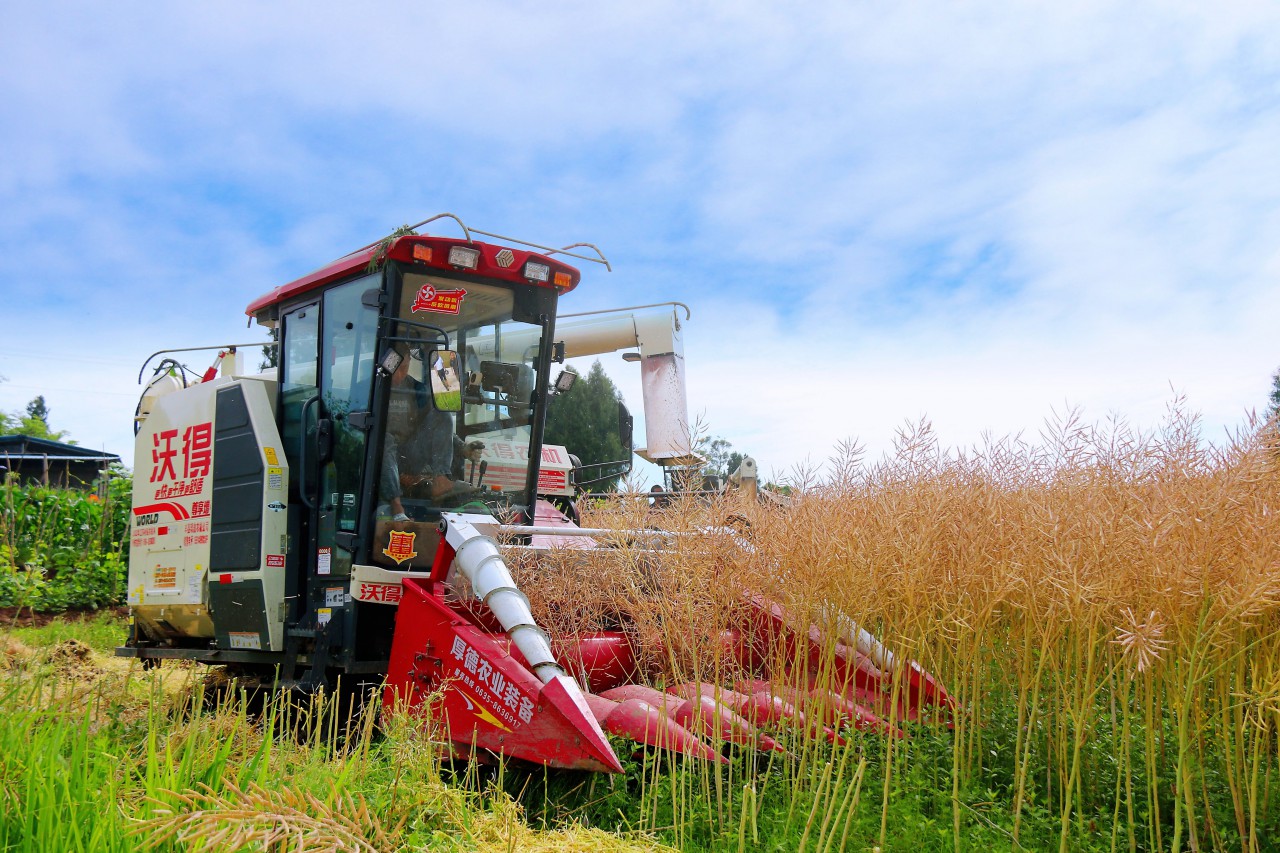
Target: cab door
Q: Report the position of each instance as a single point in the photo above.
(347, 341)
(299, 399)
(326, 381)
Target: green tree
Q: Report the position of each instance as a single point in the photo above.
(585, 420)
(34, 423)
(1273, 402)
(722, 459)
(271, 351)
(37, 408)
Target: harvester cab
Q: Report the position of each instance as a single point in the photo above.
(316, 521)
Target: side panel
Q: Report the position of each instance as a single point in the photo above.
(209, 498)
(238, 485)
(240, 614)
(248, 523)
(172, 502)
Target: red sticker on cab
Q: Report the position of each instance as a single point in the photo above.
(438, 301)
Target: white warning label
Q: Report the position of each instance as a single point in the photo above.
(245, 639)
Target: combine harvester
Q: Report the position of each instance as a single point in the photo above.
(340, 516)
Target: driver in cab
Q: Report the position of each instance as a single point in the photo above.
(417, 457)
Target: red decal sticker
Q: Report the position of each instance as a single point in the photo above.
(275, 560)
(490, 684)
(162, 456)
(224, 578)
(552, 480)
(178, 511)
(181, 488)
(439, 301)
(400, 548)
(162, 531)
(196, 450)
(387, 593)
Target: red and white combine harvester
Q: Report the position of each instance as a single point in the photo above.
(340, 516)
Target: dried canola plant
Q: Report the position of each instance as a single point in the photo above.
(1102, 603)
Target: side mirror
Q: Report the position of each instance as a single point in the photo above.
(446, 385)
(626, 429)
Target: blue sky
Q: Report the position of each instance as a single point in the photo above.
(980, 214)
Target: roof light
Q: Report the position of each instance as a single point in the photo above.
(537, 272)
(563, 279)
(421, 252)
(463, 256)
(390, 362)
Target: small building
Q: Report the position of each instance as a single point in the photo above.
(52, 463)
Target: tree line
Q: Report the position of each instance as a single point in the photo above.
(33, 422)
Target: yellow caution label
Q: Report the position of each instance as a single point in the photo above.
(270, 453)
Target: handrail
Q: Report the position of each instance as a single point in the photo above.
(415, 324)
(551, 250)
(688, 315)
(461, 224)
(418, 225)
(302, 452)
(603, 259)
(467, 232)
(231, 348)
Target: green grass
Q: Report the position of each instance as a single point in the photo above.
(106, 757)
(101, 631)
(806, 802)
(448, 401)
(96, 755)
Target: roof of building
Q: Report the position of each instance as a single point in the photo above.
(29, 447)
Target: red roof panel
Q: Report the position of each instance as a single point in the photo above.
(490, 266)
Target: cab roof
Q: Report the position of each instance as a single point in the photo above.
(504, 263)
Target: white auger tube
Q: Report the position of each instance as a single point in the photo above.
(863, 640)
(480, 560)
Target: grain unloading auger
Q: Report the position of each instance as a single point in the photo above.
(336, 518)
